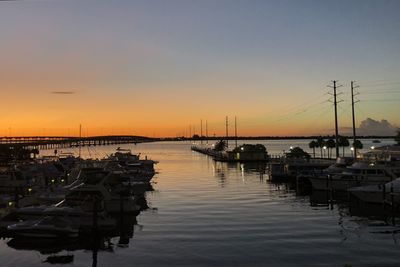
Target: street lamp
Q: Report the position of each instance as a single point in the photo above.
(324, 147)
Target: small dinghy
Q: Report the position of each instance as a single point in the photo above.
(61, 259)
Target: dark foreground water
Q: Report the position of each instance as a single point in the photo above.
(204, 213)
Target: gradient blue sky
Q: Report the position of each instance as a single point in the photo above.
(156, 67)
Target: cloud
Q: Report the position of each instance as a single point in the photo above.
(63, 92)
(369, 127)
(372, 127)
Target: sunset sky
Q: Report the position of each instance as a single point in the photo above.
(158, 67)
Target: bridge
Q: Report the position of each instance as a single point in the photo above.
(55, 142)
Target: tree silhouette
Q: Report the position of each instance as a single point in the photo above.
(297, 152)
(320, 143)
(313, 144)
(358, 144)
(330, 144)
(343, 142)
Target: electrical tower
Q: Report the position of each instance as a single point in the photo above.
(335, 86)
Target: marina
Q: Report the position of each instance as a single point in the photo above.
(220, 208)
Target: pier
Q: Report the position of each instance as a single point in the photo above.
(233, 156)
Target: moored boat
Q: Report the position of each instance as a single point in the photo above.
(46, 227)
(378, 193)
(358, 174)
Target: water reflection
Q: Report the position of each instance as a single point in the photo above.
(222, 170)
(60, 251)
(353, 218)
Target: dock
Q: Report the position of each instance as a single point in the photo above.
(232, 156)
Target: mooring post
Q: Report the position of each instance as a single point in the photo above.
(392, 203)
(95, 216)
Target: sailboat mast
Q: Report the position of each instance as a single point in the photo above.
(226, 130)
(235, 133)
(80, 139)
(201, 132)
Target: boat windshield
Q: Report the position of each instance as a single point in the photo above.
(94, 177)
(353, 171)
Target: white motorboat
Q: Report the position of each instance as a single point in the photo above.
(358, 174)
(139, 170)
(46, 227)
(76, 215)
(338, 167)
(102, 186)
(378, 193)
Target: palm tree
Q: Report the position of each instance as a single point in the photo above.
(330, 144)
(343, 142)
(358, 145)
(313, 145)
(320, 143)
(298, 152)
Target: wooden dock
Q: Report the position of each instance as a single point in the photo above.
(223, 156)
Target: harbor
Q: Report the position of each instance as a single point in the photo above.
(218, 206)
(68, 200)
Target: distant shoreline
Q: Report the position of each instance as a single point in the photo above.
(266, 138)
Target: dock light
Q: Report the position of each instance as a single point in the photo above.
(291, 147)
(242, 148)
(10, 203)
(52, 180)
(62, 180)
(29, 190)
(372, 147)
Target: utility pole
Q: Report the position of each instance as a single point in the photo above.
(354, 117)
(336, 122)
(226, 129)
(190, 131)
(235, 133)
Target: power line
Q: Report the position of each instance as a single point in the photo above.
(380, 84)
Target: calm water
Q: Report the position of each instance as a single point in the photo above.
(204, 213)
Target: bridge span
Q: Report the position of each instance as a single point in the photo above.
(55, 142)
